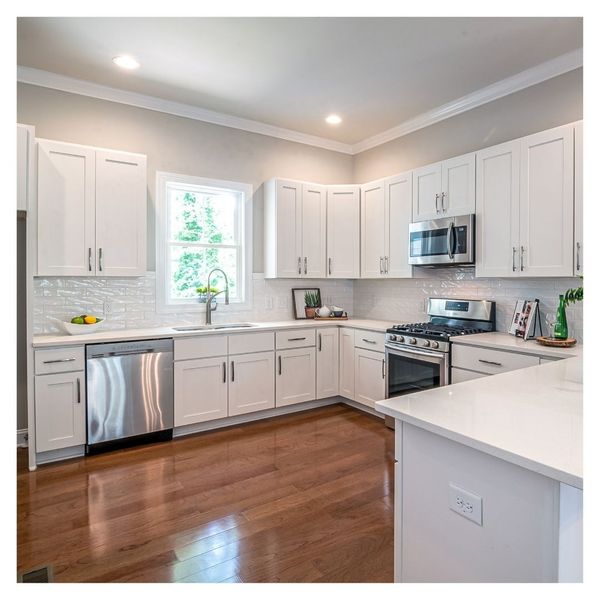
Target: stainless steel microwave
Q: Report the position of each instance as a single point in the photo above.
(448, 241)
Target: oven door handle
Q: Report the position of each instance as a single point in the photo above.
(438, 357)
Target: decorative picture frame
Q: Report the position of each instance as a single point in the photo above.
(299, 304)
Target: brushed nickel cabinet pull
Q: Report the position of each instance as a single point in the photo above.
(443, 207)
(296, 339)
(387, 264)
(383, 368)
(299, 266)
(490, 362)
(513, 258)
(232, 371)
(224, 372)
(369, 341)
(578, 261)
(100, 259)
(89, 259)
(330, 265)
(522, 254)
(437, 199)
(381, 265)
(305, 265)
(320, 342)
(78, 391)
(58, 360)
(279, 364)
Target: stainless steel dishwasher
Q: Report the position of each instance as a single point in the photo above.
(129, 392)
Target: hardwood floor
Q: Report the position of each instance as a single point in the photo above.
(300, 498)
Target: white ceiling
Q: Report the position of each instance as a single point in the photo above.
(291, 72)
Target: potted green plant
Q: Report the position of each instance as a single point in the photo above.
(311, 302)
(203, 294)
(572, 295)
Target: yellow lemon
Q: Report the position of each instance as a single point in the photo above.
(90, 320)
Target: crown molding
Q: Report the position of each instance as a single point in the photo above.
(542, 72)
(72, 85)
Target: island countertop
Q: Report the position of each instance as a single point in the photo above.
(531, 417)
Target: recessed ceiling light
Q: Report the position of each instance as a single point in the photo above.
(126, 62)
(334, 119)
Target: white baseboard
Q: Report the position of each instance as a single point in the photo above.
(62, 454)
(22, 438)
(362, 407)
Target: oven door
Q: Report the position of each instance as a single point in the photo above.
(414, 370)
(442, 241)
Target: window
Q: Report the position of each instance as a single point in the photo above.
(202, 224)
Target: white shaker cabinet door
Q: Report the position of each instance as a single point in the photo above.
(347, 363)
(578, 250)
(59, 411)
(372, 224)
(398, 203)
(296, 376)
(251, 382)
(343, 232)
(314, 230)
(546, 203)
(200, 390)
(120, 213)
(369, 376)
(427, 193)
(66, 207)
(497, 211)
(458, 185)
(327, 362)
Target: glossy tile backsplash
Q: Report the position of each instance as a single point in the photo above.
(405, 300)
(133, 299)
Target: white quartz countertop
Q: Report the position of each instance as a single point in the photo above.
(42, 341)
(505, 341)
(530, 417)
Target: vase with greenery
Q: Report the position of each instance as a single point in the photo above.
(561, 328)
(311, 303)
(203, 294)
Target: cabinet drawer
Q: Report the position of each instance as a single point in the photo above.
(59, 360)
(459, 375)
(490, 361)
(370, 340)
(200, 347)
(245, 343)
(295, 338)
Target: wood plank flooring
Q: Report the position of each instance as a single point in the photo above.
(299, 498)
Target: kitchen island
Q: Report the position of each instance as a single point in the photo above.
(489, 478)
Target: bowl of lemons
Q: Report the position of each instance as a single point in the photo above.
(80, 324)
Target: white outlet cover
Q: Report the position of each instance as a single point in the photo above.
(465, 503)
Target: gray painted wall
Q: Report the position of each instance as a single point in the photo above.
(548, 104)
(179, 145)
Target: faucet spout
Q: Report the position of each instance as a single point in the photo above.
(210, 297)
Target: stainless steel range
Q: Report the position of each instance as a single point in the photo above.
(418, 354)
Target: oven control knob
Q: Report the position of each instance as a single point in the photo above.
(412, 341)
(435, 345)
(400, 338)
(426, 344)
(393, 338)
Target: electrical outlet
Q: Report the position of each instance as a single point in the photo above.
(107, 307)
(282, 302)
(465, 503)
(268, 302)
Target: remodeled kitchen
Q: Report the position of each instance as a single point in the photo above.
(278, 328)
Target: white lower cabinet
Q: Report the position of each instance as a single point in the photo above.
(369, 376)
(251, 382)
(327, 362)
(346, 386)
(296, 376)
(59, 411)
(460, 375)
(200, 390)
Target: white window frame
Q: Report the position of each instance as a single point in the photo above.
(163, 304)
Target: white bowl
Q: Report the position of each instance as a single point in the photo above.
(76, 329)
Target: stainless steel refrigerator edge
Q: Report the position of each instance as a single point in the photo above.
(129, 389)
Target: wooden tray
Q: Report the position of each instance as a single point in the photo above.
(548, 341)
(331, 318)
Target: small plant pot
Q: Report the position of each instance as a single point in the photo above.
(309, 311)
(202, 299)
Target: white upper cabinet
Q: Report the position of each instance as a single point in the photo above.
(386, 212)
(458, 186)
(546, 203)
(120, 213)
(372, 227)
(343, 231)
(25, 139)
(444, 189)
(497, 212)
(427, 191)
(314, 223)
(525, 207)
(91, 207)
(398, 215)
(66, 209)
(295, 229)
(578, 250)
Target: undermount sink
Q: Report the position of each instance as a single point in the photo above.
(210, 327)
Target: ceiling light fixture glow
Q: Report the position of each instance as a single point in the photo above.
(126, 62)
(334, 119)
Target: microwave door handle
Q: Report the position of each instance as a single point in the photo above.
(450, 241)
